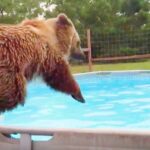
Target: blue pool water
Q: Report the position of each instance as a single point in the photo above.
(113, 100)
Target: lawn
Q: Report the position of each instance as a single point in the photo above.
(109, 67)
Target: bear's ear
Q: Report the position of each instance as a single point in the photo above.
(63, 20)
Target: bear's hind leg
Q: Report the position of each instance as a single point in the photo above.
(12, 89)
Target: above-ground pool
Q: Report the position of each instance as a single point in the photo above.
(113, 100)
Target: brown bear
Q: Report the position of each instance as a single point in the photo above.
(37, 47)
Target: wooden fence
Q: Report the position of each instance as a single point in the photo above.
(106, 47)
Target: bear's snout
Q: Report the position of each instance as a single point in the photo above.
(78, 56)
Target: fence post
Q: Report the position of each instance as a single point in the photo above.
(89, 49)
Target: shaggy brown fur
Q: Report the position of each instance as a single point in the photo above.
(36, 47)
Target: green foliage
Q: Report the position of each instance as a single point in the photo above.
(101, 16)
(130, 7)
(105, 15)
(13, 11)
(127, 51)
(94, 14)
(136, 12)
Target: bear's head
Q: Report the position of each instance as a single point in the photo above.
(65, 36)
(59, 32)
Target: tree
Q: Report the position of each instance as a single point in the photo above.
(136, 13)
(95, 14)
(99, 15)
(13, 11)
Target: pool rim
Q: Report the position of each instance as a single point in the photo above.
(112, 72)
(75, 139)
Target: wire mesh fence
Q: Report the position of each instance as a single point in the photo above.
(131, 45)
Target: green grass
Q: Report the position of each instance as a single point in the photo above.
(109, 67)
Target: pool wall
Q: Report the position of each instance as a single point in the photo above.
(76, 139)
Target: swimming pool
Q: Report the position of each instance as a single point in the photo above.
(113, 100)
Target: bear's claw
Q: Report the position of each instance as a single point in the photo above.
(79, 97)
